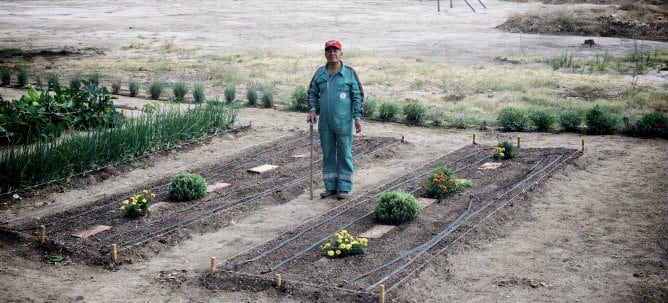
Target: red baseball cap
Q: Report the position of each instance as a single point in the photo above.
(332, 43)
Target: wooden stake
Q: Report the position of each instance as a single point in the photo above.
(250, 124)
(114, 253)
(42, 235)
(213, 265)
(518, 142)
(381, 293)
(583, 145)
(402, 139)
(474, 139)
(277, 280)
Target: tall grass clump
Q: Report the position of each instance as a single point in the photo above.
(22, 78)
(512, 119)
(75, 83)
(116, 87)
(600, 121)
(388, 111)
(155, 89)
(198, 93)
(653, 125)
(570, 120)
(369, 107)
(459, 121)
(542, 119)
(94, 78)
(267, 98)
(299, 99)
(46, 162)
(230, 94)
(415, 113)
(53, 81)
(6, 77)
(251, 96)
(180, 90)
(133, 87)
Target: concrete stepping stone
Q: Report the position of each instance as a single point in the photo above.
(91, 231)
(263, 169)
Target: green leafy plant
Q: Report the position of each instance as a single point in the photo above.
(251, 96)
(511, 119)
(369, 107)
(133, 86)
(299, 99)
(180, 90)
(198, 93)
(570, 120)
(344, 244)
(396, 207)
(150, 108)
(415, 112)
(387, 111)
(6, 77)
(230, 94)
(543, 120)
(75, 83)
(137, 205)
(267, 99)
(654, 125)
(504, 151)
(187, 186)
(442, 183)
(53, 81)
(94, 78)
(22, 78)
(600, 121)
(155, 89)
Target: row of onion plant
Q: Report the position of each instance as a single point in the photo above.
(42, 163)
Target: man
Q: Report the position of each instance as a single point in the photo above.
(337, 90)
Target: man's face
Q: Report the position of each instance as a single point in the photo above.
(333, 55)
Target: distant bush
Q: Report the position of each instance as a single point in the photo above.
(187, 187)
(22, 78)
(230, 94)
(600, 121)
(387, 111)
(396, 207)
(155, 89)
(53, 81)
(299, 99)
(180, 90)
(251, 96)
(570, 120)
(198, 93)
(94, 78)
(133, 86)
(116, 87)
(512, 119)
(369, 107)
(653, 125)
(415, 112)
(459, 121)
(75, 83)
(6, 77)
(267, 99)
(541, 119)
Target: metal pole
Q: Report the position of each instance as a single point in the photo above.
(469, 4)
(310, 129)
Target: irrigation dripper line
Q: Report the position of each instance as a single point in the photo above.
(361, 201)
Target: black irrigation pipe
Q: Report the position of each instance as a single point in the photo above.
(320, 223)
(466, 215)
(219, 208)
(158, 189)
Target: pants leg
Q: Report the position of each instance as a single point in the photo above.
(344, 162)
(328, 145)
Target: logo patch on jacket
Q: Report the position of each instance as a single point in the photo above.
(342, 95)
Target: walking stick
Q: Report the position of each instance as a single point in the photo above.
(310, 129)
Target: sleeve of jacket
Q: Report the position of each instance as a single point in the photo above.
(358, 96)
(313, 93)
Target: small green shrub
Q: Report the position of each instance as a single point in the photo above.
(437, 116)
(600, 121)
(299, 99)
(133, 86)
(541, 119)
(653, 125)
(198, 93)
(186, 187)
(504, 151)
(75, 83)
(267, 99)
(570, 120)
(94, 78)
(116, 87)
(344, 245)
(387, 111)
(396, 207)
(180, 90)
(415, 112)
(156, 89)
(230, 94)
(512, 119)
(22, 78)
(459, 121)
(150, 108)
(442, 183)
(137, 205)
(369, 107)
(6, 77)
(53, 81)
(251, 96)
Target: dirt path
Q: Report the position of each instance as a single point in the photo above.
(589, 235)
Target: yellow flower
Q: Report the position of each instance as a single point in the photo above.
(338, 252)
(143, 200)
(342, 246)
(349, 246)
(126, 202)
(152, 195)
(330, 253)
(145, 191)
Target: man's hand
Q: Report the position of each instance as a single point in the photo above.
(358, 126)
(312, 117)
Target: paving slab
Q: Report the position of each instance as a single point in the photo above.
(91, 231)
(263, 169)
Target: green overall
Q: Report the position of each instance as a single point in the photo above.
(340, 97)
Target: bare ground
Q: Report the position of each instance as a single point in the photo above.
(589, 233)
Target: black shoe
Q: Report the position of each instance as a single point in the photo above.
(327, 193)
(342, 195)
